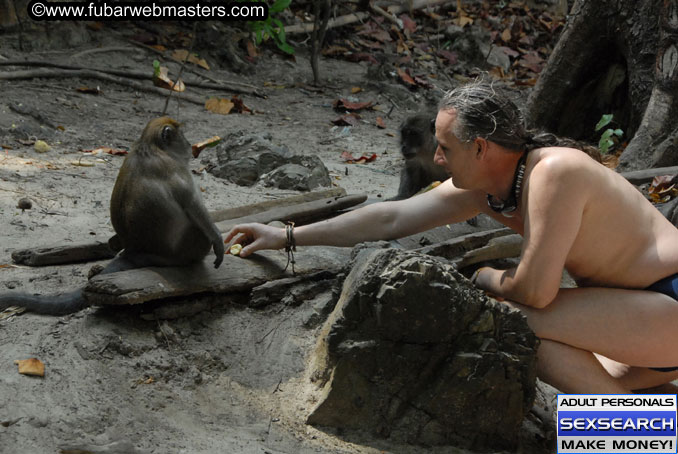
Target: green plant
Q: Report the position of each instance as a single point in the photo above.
(610, 137)
(272, 27)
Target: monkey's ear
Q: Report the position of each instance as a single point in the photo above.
(167, 133)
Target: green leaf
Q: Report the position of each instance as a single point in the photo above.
(286, 48)
(278, 6)
(604, 121)
(258, 36)
(607, 134)
(280, 32)
(618, 132)
(156, 68)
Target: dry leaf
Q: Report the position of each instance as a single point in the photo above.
(355, 90)
(32, 366)
(89, 90)
(11, 311)
(408, 23)
(239, 106)
(345, 104)
(219, 105)
(251, 49)
(349, 159)
(506, 35)
(462, 21)
(180, 55)
(198, 147)
(406, 78)
(162, 80)
(663, 188)
(380, 123)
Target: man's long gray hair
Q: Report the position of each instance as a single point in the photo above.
(487, 112)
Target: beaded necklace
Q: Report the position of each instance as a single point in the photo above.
(508, 206)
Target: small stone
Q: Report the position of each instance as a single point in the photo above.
(41, 146)
(24, 204)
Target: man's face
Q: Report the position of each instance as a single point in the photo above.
(456, 157)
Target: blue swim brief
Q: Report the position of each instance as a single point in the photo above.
(669, 287)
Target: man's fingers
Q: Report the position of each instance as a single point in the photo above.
(231, 233)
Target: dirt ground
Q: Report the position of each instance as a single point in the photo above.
(227, 380)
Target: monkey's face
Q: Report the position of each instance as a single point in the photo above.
(417, 137)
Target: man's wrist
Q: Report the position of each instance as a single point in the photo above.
(474, 276)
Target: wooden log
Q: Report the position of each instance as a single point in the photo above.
(301, 213)
(448, 232)
(456, 248)
(502, 247)
(246, 210)
(647, 175)
(235, 275)
(63, 253)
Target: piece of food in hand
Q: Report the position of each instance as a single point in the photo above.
(235, 249)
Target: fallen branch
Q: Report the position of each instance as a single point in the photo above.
(101, 50)
(300, 214)
(86, 73)
(647, 175)
(389, 16)
(129, 74)
(64, 253)
(457, 248)
(237, 212)
(356, 17)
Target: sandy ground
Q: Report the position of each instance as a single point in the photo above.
(230, 379)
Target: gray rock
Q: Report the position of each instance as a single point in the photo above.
(412, 351)
(245, 159)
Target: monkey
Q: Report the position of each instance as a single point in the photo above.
(156, 211)
(418, 145)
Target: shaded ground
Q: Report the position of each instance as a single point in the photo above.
(230, 379)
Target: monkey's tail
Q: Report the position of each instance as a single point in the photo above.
(61, 304)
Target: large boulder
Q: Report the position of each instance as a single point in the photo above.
(414, 352)
(245, 159)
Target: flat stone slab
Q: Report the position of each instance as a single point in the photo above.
(234, 275)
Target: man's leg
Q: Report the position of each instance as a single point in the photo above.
(633, 327)
(574, 371)
(630, 326)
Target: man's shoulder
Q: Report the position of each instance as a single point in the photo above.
(560, 166)
(561, 159)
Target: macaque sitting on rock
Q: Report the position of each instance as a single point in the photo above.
(157, 213)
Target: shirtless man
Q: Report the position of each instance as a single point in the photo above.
(572, 212)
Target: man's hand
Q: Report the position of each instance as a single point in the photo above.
(254, 237)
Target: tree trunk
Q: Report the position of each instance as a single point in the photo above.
(619, 57)
(7, 14)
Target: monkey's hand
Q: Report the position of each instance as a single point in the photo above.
(218, 246)
(255, 237)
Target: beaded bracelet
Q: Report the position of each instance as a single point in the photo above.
(291, 245)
